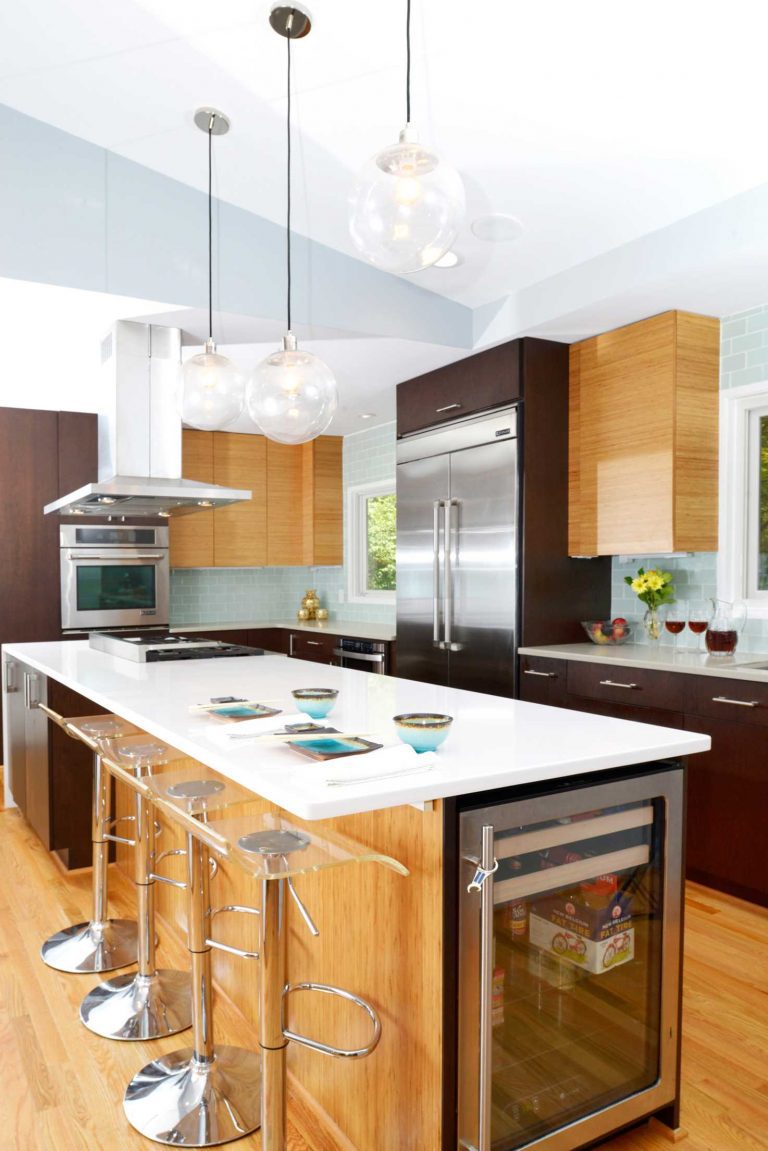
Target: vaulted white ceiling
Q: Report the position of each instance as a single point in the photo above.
(627, 138)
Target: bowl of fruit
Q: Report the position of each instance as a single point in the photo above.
(607, 630)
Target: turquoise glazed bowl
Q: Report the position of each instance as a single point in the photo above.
(423, 730)
(315, 701)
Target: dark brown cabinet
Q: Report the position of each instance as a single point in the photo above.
(43, 455)
(315, 647)
(486, 380)
(727, 787)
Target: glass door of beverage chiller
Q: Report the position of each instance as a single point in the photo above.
(569, 951)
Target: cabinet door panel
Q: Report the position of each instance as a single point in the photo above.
(632, 686)
(323, 501)
(654, 715)
(285, 504)
(191, 535)
(728, 699)
(317, 648)
(240, 531)
(485, 380)
(727, 801)
(543, 680)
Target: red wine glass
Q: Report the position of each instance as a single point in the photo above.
(674, 616)
(699, 616)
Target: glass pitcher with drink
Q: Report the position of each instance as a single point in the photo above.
(725, 627)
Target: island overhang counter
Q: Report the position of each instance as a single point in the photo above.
(390, 939)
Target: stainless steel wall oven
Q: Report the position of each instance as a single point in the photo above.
(113, 576)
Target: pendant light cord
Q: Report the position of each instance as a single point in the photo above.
(288, 189)
(210, 226)
(408, 62)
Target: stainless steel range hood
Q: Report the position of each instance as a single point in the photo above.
(140, 434)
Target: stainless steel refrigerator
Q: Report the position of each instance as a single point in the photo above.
(457, 553)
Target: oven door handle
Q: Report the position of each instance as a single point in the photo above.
(118, 559)
(366, 657)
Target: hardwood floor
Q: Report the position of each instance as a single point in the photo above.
(62, 1087)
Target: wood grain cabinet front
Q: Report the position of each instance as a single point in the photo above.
(643, 417)
(295, 517)
(626, 686)
(486, 380)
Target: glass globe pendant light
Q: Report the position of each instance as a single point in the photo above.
(291, 395)
(212, 391)
(407, 204)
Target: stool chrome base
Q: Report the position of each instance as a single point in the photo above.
(139, 1006)
(189, 1103)
(91, 947)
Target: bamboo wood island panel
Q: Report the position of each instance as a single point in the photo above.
(294, 519)
(643, 448)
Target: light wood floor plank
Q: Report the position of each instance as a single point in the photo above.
(61, 1087)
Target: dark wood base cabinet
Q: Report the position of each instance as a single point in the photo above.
(727, 786)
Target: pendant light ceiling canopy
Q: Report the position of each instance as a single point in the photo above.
(291, 395)
(212, 389)
(407, 204)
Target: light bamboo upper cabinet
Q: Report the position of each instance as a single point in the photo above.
(643, 438)
(294, 518)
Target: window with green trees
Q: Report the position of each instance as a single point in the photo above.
(380, 541)
(371, 542)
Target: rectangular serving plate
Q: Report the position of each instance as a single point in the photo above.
(240, 711)
(322, 749)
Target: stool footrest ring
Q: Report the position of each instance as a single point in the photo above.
(237, 909)
(325, 1048)
(179, 883)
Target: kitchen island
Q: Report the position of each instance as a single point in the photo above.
(381, 935)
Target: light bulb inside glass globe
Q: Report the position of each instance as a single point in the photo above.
(291, 395)
(212, 391)
(406, 207)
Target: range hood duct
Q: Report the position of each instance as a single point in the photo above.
(140, 434)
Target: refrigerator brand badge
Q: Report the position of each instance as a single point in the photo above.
(502, 432)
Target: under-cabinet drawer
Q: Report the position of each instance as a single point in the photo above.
(319, 648)
(636, 686)
(543, 680)
(739, 700)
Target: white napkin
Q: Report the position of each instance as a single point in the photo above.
(381, 764)
(249, 728)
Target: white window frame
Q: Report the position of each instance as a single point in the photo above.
(740, 409)
(357, 542)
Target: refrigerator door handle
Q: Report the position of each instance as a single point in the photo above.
(448, 643)
(436, 506)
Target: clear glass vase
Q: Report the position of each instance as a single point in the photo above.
(653, 624)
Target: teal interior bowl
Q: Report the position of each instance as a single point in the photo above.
(423, 730)
(315, 701)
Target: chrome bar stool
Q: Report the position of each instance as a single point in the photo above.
(152, 1002)
(207, 1094)
(101, 944)
(274, 851)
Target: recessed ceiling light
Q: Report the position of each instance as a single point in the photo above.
(449, 260)
(497, 228)
(366, 415)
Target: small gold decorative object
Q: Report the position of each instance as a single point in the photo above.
(310, 606)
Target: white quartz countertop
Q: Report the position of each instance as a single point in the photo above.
(742, 665)
(353, 629)
(494, 742)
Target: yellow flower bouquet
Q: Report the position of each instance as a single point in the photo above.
(653, 588)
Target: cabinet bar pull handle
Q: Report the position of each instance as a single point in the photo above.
(612, 683)
(448, 408)
(545, 674)
(291, 638)
(737, 702)
(314, 643)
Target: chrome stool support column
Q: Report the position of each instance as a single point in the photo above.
(207, 1094)
(150, 1003)
(102, 944)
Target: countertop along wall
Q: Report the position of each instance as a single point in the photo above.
(743, 360)
(204, 595)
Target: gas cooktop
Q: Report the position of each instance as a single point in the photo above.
(157, 648)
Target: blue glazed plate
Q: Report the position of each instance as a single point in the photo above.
(333, 748)
(239, 711)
